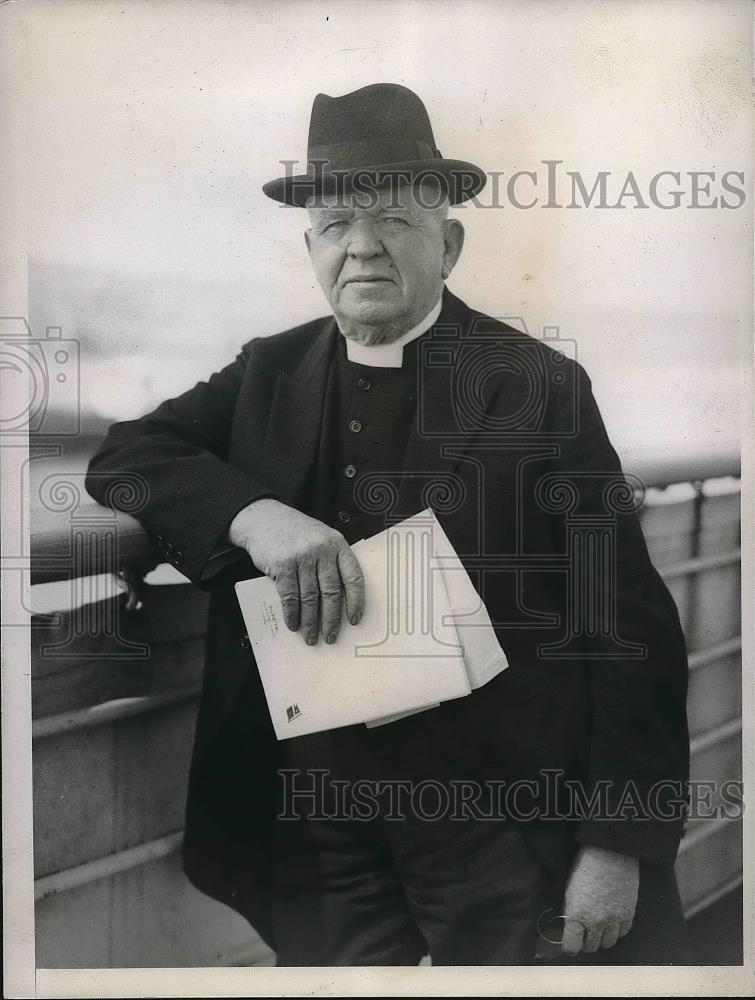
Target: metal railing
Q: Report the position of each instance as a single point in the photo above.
(51, 535)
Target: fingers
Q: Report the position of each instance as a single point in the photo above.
(329, 582)
(588, 938)
(339, 575)
(610, 935)
(353, 583)
(309, 600)
(573, 937)
(593, 937)
(312, 589)
(287, 585)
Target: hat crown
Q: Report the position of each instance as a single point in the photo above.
(384, 117)
(379, 131)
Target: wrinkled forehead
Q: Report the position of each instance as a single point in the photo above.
(424, 197)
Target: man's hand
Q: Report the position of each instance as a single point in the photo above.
(601, 897)
(309, 563)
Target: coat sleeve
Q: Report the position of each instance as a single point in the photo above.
(639, 742)
(177, 457)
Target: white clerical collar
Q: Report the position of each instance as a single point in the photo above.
(390, 355)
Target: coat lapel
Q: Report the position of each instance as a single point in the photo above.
(296, 416)
(439, 440)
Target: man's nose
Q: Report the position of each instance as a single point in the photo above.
(364, 241)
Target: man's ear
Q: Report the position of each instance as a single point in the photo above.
(453, 241)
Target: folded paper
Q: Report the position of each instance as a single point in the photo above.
(425, 637)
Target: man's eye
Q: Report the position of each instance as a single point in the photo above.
(334, 226)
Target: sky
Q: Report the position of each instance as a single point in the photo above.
(152, 127)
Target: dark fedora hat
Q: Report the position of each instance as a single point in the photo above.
(369, 136)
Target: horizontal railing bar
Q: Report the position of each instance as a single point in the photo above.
(711, 654)
(52, 530)
(111, 711)
(668, 471)
(111, 864)
(713, 896)
(701, 832)
(51, 541)
(700, 564)
(124, 708)
(713, 736)
(142, 854)
(50, 572)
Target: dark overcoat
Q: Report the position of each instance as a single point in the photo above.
(509, 449)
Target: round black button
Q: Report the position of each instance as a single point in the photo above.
(355, 426)
(344, 516)
(350, 471)
(364, 384)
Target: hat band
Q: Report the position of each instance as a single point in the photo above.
(353, 155)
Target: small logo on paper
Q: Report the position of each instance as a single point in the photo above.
(293, 712)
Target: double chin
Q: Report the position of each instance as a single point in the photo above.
(370, 335)
(371, 324)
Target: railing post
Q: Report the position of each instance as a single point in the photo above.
(693, 587)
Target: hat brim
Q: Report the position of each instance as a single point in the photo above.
(461, 180)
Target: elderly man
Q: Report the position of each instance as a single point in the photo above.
(322, 435)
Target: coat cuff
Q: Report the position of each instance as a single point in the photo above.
(651, 839)
(194, 542)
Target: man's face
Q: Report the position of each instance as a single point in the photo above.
(382, 266)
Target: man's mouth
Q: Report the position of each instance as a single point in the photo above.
(366, 279)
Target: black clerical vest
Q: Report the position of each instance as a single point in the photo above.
(367, 418)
